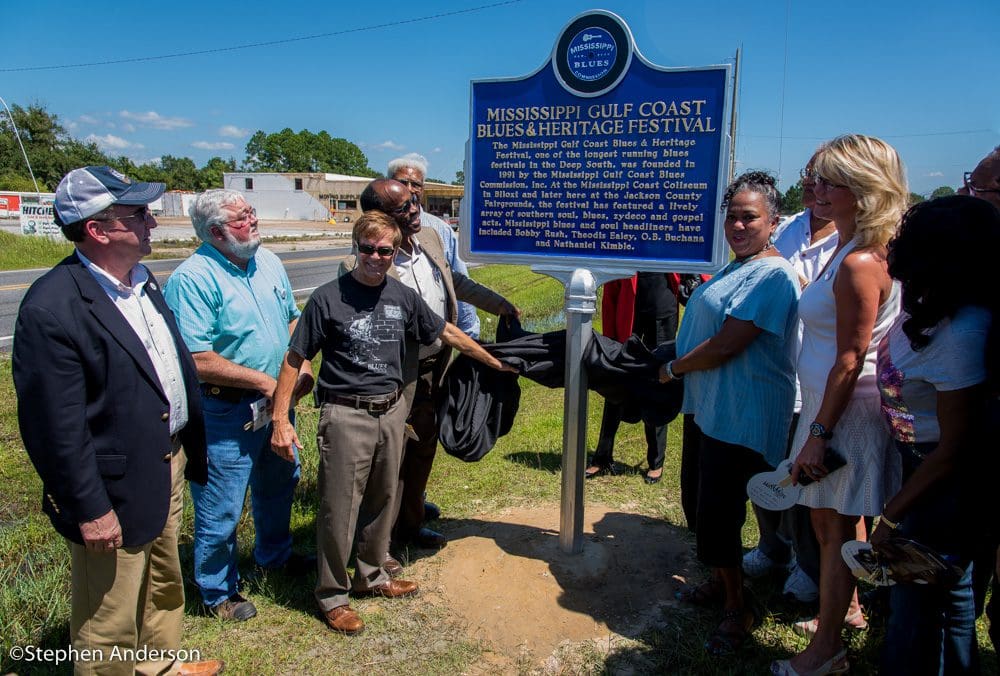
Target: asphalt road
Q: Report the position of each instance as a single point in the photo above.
(306, 270)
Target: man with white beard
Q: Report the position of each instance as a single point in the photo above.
(234, 307)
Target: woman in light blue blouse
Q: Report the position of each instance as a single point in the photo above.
(736, 350)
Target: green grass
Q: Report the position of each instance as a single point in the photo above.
(417, 637)
(19, 252)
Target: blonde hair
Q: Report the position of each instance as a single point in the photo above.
(872, 170)
(374, 225)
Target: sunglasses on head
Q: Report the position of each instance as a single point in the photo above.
(383, 251)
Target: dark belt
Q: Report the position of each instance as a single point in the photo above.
(230, 394)
(377, 404)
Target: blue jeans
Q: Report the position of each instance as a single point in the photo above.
(236, 459)
(932, 628)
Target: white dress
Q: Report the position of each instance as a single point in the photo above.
(872, 474)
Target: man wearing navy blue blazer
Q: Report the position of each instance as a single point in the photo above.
(107, 395)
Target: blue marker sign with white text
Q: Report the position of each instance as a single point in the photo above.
(599, 157)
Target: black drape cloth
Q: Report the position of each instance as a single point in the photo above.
(479, 403)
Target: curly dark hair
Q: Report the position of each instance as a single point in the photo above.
(942, 255)
(759, 182)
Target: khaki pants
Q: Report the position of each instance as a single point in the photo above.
(359, 458)
(131, 599)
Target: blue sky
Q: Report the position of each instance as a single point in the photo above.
(916, 73)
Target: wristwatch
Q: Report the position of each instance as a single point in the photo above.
(817, 430)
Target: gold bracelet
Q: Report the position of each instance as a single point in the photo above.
(892, 525)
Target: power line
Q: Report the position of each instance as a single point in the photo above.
(270, 43)
(930, 133)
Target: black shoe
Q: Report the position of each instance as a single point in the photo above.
(425, 538)
(234, 608)
(599, 470)
(431, 512)
(652, 479)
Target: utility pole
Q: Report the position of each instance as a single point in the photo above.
(17, 135)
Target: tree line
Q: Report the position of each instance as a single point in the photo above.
(53, 152)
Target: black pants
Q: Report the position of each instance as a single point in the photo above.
(651, 331)
(723, 472)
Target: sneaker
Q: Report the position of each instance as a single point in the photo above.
(758, 564)
(800, 586)
(234, 608)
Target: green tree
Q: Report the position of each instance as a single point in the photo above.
(51, 151)
(915, 198)
(15, 182)
(943, 191)
(305, 151)
(459, 177)
(791, 201)
(210, 176)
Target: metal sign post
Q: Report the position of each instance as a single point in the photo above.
(581, 301)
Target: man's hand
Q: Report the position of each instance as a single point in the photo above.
(103, 534)
(284, 441)
(509, 309)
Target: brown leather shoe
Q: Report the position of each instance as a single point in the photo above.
(393, 589)
(391, 566)
(234, 608)
(206, 668)
(344, 620)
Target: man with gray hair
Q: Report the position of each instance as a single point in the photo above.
(235, 311)
(411, 171)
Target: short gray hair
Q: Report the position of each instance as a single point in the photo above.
(208, 210)
(408, 161)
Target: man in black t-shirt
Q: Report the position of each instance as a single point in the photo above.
(361, 322)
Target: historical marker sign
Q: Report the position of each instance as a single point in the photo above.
(599, 158)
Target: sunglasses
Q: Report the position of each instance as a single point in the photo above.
(383, 251)
(403, 208)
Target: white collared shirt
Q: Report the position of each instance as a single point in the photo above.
(794, 241)
(418, 272)
(151, 329)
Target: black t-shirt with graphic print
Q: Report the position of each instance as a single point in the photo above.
(362, 331)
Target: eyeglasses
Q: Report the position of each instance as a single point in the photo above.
(244, 218)
(411, 184)
(403, 208)
(807, 174)
(382, 251)
(825, 183)
(973, 190)
(141, 215)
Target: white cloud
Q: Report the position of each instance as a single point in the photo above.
(111, 142)
(388, 145)
(936, 174)
(438, 149)
(232, 131)
(219, 145)
(71, 125)
(145, 160)
(89, 119)
(155, 120)
(127, 126)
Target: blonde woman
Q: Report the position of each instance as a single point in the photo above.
(860, 185)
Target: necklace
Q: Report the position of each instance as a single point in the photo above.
(743, 260)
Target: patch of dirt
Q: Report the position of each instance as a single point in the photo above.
(506, 578)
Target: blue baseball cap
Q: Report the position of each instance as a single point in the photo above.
(90, 190)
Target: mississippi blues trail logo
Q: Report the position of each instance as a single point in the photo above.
(591, 54)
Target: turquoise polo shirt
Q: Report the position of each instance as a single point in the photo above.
(243, 315)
